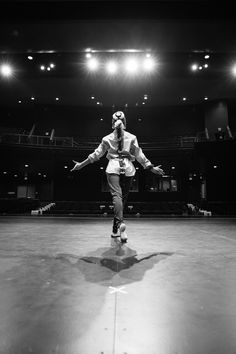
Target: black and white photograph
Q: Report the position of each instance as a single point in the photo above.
(117, 177)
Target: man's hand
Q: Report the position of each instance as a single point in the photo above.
(157, 170)
(77, 166)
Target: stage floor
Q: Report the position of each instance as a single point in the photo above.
(170, 290)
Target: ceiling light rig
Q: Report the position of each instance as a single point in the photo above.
(48, 67)
(129, 61)
(196, 66)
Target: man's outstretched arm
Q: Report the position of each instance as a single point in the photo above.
(95, 156)
(143, 160)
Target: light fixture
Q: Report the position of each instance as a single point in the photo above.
(194, 67)
(149, 64)
(131, 65)
(111, 67)
(6, 70)
(234, 70)
(93, 64)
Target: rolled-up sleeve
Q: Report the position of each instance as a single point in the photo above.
(99, 152)
(139, 155)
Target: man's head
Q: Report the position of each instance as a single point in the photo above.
(118, 117)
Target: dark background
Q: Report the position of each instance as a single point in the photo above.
(177, 34)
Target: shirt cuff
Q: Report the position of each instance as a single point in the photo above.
(149, 167)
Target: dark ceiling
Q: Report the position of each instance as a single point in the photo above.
(176, 33)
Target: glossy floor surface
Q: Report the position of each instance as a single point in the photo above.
(170, 290)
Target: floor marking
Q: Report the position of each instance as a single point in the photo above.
(117, 290)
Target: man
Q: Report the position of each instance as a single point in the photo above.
(122, 148)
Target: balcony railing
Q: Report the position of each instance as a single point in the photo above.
(38, 140)
(91, 143)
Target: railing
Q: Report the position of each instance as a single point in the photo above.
(91, 143)
(37, 140)
(151, 143)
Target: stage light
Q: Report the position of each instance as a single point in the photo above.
(205, 98)
(6, 70)
(48, 68)
(194, 67)
(57, 98)
(42, 67)
(148, 64)
(145, 97)
(111, 67)
(92, 64)
(200, 67)
(206, 65)
(131, 65)
(148, 55)
(19, 101)
(32, 98)
(184, 98)
(234, 70)
(88, 55)
(52, 65)
(26, 165)
(92, 97)
(30, 57)
(207, 56)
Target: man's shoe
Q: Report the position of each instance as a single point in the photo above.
(123, 234)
